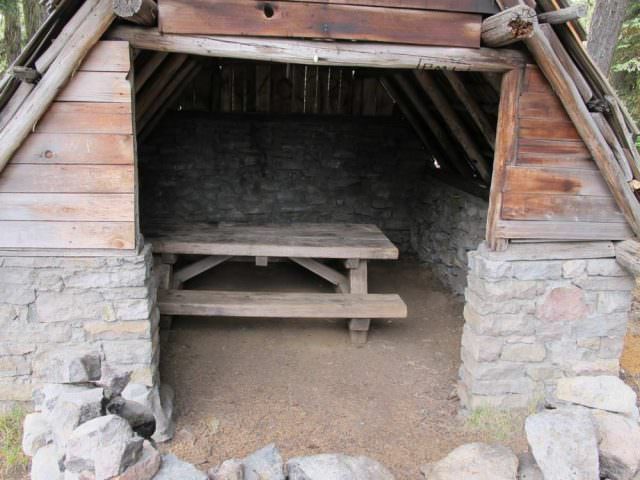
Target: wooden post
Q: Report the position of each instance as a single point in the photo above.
(359, 327)
(506, 151)
(142, 12)
(70, 57)
(564, 15)
(509, 26)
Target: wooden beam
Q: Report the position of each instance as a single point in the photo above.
(196, 268)
(142, 12)
(148, 69)
(564, 15)
(53, 81)
(322, 270)
(509, 26)
(473, 107)
(628, 255)
(569, 95)
(506, 151)
(149, 96)
(454, 123)
(323, 53)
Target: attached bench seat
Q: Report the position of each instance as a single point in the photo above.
(285, 305)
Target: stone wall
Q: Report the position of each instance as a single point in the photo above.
(446, 224)
(53, 309)
(539, 312)
(248, 168)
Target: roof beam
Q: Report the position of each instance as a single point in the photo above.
(142, 12)
(310, 52)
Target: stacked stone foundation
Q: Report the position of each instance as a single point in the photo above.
(536, 313)
(52, 307)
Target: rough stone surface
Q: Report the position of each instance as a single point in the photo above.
(146, 467)
(105, 446)
(36, 433)
(69, 365)
(528, 468)
(530, 323)
(264, 464)
(139, 417)
(228, 470)
(564, 444)
(46, 397)
(45, 464)
(604, 392)
(172, 469)
(160, 402)
(336, 467)
(476, 461)
(73, 409)
(618, 444)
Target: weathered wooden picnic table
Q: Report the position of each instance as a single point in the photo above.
(305, 244)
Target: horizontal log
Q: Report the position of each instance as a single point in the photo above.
(142, 12)
(323, 53)
(564, 15)
(509, 26)
(64, 235)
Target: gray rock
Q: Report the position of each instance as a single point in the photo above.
(45, 464)
(564, 444)
(604, 392)
(619, 445)
(476, 461)
(36, 433)
(528, 468)
(72, 410)
(173, 469)
(265, 464)
(228, 470)
(46, 397)
(139, 417)
(113, 381)
(106, 446)
(336, 467)
(146, 467)
(70, 365)
(160, 401)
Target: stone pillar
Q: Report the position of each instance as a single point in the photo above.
(536, 313)
(50, 306)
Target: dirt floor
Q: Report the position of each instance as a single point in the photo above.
(243, 383)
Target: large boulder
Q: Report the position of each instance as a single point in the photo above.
(139, 417)
(36, 433)
(46, 397)
(564, 444)
(604, 392)
(45, 464)
(476, 461)
(528, 468)
(69, 365)
(336, 467)
(264, 464)
(619, 445)
(71, 410)
(146, 467)
(173, 469)
(159, 400)
(105, 446)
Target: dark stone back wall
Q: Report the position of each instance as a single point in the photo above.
(209, 168)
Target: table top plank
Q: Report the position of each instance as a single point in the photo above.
(311, 240)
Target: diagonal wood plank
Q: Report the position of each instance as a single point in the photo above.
(322, 270)
(196, 268)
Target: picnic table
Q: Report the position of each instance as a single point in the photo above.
(309, 245)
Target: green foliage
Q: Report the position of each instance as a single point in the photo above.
(11, 457)
(625, 72)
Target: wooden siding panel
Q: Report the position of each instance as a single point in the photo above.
(568, 208)
(314, 20)
(71, 185)
(467, 6)
(555, 181)
(547, 230)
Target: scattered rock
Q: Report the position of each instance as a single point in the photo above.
(336, 467)
(146, 467)
(619, 445)
(228, 470)
(528, 468)
(113, 381)
(36, 433)
(476, 461)
(160, 402)
(45, 464)
(604, 392)
(46, 397)
(104, 445)
(173, 469)
(70, 365)
(564, 444)
(72, 410)
(265, 464)
(139, 417)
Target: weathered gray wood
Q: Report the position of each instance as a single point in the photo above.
(280, 305)
(564, 15)
(201, 266)
(628, 255)
(552, 251)
(72, 53)
(358, 284)
(323, 53)
(322, 270)
(262, 261)
(563, 231)
(340, 241)
(142, 12)
(509, 26)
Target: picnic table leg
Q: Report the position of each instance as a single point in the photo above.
(164, 265)
(358, 327)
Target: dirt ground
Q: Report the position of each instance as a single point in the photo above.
(243, 383)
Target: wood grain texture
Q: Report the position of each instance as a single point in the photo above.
(567, 208)
(469, 6)
(547, 129)
(628, 255)
(313, 20)
(107, 56)
(67, 207)
(84, 117)
(98, 87)
(25, 178)
(547, 230)
(554, 181)
(71, 148)
(64, 235)
(280, 305)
